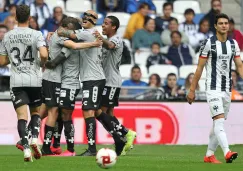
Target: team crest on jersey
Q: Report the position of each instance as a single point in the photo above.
(224, 64)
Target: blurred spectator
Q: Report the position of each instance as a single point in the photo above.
(154, 81)
(216, 7)
(12, 10)
(235, 34)
(41, 11)
(235, 87)
(3, 30)
(178, 53)
(202, 34)
(33, 24)
(132, 6)
(189, 27)
(136, 21)
(135, 80)
(162, 22)
(171, 89)
(17, 2)
(188, 83)
(105, 6)
(10, 22)
(51, 24)
(145, 37)
(156, 56)
(2, 5)
(173, 26)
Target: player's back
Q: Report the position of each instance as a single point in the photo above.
(21, 45)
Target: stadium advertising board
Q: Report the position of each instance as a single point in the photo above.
(155, 123)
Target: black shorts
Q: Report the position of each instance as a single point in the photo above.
(92, 94)
(51, 92)
(110, 96)
(26, 96)
(67, 98)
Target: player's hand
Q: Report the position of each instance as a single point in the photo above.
(49, 36)
(190, 96)
(98, 42)
(97, 34)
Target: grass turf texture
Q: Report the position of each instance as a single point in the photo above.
(141, 158)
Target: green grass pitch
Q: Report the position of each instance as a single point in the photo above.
(141, 158)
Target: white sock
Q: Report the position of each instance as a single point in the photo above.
(213, 143)
(221, 135)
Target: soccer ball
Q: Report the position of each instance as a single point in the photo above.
(106, 158)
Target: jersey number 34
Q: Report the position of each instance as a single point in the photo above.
(27, 56)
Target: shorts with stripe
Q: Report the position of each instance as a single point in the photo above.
(110, 96)
(67, 98)
(51, 92)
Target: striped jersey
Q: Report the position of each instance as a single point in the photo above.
(21, 46)
(112, 61)
(219, 63)
(188, 29)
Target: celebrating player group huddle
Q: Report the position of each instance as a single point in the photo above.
(76, 52)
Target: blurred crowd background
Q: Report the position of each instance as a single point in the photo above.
(161, 39)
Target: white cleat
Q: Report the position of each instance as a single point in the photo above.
(27, 155)
(35, 148)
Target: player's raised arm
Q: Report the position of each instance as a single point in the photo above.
(72, 45)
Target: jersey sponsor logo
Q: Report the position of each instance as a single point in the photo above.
(213, 100)
(85, 93)
(63, 93)
(224, 56)
(95, 94)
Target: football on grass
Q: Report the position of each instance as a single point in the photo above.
(106, 158)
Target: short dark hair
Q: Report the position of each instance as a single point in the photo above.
(174, 19)
(3, 26)
(22, 13)
(155, 43)
(54, 9)
(170, 75)
(189, 11)
(114, 21)
(175, 32)
(232, 21)
(71, 20)
(222, 15)
(135, 67)
(143, 5)
(146, 20)
(167, 4)
(212, 1)
(203, 20)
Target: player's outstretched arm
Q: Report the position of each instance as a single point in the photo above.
(66, 33)
(239, 66)
(4, 60)
(191, 95)
(55, 62)
(43, 54)
(72, 45)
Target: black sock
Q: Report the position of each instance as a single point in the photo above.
(35, 125)
(105, 119)
(23, 132)
(48, 137)
(69, 134)
(29, 130)
(90, 132)
(57, 133)
(119, 127)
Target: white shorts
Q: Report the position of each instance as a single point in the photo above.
(219, 102)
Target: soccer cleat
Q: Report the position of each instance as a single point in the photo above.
(119, 147)
(57, 150)
(35, 148)
(67, 153)
(47, 152)
(130, 136)
(211, 159)
(19, 145)
(87, 153)
(230, 156)
(27, 155)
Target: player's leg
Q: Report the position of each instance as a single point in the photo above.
(20, 100)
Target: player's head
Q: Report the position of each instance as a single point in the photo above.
(22, 13)
(221, 23)
(136, 73)
(89, 19)
(71, 23)
(110, 25)
(3, 30)
(171, 80)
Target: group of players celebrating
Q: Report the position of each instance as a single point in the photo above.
(76, 52)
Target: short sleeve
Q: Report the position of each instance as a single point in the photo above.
(3, 49)
(82, 34)
(67, 52)
(237, 50)
(116, 41)
(40, 40)
(205, 49)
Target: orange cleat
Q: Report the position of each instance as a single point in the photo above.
(67, 153)
(19, 146)
(230, 156)
(211, 159)
(57, 150)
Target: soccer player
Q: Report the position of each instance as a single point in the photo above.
(216, 55)
(93, 78)
(21, 47)
(112, 54)
(52, 79)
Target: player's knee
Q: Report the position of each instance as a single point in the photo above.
(22, 112)
(110, 111)
(35, 110)
(98, 112)
(218, 116)
(104, 109)
(88, 113)
(67, 114)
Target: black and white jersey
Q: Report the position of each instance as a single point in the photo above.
(219, 63)
(188, 29)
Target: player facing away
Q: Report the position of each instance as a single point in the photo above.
(52, 79)
(112, 54)
(21, 46)
(93, 78)
(216, 55)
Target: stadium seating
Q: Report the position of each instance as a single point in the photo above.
(159, 6)
(202, 86)
(122, 16)
(141, 58)
(121, 31)
(179, 17)
(198, 18)
(185, 70)
(54, 3)
(78, 6)
(181, 6)
(163, 70)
